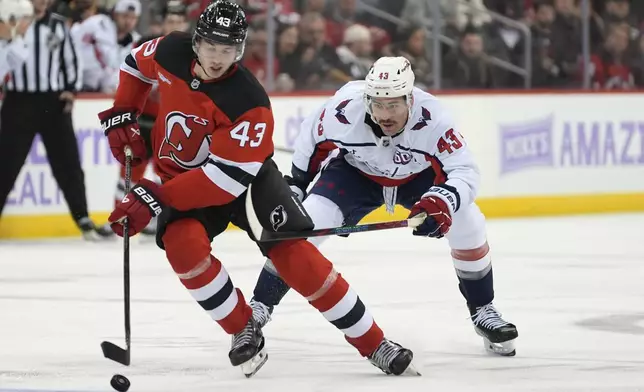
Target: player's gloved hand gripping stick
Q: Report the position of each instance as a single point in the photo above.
(265, 235)
(110, 350)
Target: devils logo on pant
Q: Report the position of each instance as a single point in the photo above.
(278, 217)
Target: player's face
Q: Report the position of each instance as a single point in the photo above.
(126, 21)
(215, 58)
(174, 23)
(390, 113)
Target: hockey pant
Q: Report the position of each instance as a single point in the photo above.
(342, 195)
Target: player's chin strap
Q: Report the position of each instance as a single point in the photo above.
(264, 235)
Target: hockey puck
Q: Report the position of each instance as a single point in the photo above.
(120, 383)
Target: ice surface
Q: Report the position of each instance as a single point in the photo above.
(573, 286)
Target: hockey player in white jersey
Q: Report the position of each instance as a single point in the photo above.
(104, 41)
(383, 141)
(15, 18)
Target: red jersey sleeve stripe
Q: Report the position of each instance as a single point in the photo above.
(251, 168)
(129, 66)
(224, 181)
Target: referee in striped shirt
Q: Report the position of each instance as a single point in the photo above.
(38, 98)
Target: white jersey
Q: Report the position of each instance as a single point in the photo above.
(12, 55)
(101, 52)
(429, 141)
(125, 47)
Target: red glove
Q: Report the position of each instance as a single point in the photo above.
(122, 129)
(138, 206)
(438, 220)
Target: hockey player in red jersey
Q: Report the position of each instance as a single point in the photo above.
(174, 19)
(216, 139)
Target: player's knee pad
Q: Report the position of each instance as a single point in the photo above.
(186, 245)
(324, 213)
(468, 228)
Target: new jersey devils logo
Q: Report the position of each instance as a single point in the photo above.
(278, 217)
(186, 141)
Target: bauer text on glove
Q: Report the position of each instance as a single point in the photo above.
(139, 206)
(121, 128)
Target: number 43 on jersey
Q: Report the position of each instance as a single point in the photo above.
(450, 142)
(242, 130)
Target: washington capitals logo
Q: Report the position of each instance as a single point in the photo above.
(422, 123)
(339, 112)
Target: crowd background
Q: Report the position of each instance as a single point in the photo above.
(480, 44)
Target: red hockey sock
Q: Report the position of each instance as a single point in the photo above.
(188, 250)
(309, 273)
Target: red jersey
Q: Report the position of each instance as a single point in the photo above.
(211, 137)
(610, 75)
(152, 104)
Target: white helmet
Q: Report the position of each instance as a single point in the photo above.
(12, 10)
(389, 77)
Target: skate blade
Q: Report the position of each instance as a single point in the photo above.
(252, 366)
(504, 349)
(411, 371)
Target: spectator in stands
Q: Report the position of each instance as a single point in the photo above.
(638, 63)
(173, 17)
(412, 46)
(610, 67)
(461, 13)
(356, 51)
(506, 41)
(156, 26)
(394, 8)
(320, 67)
(305, 6)
(545, 70)
(341, 15)
(256, 59)
(288, 38)
(617, 12)
(566, 40)
(465, 68)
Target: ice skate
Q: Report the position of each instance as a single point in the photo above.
(498, 334)
(261, 313)
(91, 232)
(247, 349)
(392, 358)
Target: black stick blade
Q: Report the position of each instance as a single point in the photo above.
(115, 353)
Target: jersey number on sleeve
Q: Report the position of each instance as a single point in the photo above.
(452, 143)
(151, 47)
(240, 132)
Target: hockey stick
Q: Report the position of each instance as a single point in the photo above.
(111, 350)
(264, 236)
